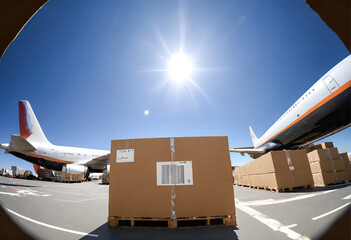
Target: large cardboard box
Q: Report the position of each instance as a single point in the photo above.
(323, 179)
(245, 180)
(339, 164)
(311, 147)
(298, 159)
(327, 145)
(323, 155)
(321, 166)
(143, 173)
(277, 180)
(345, 158)
(342, 176)
(302, 177)
(271, 162)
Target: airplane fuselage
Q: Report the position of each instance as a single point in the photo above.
(323, 109)
(55, 157)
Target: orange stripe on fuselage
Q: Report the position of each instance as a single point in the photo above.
(48, 158)
(315, 107)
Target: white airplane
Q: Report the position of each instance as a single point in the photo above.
(33, 147)
(323, 110)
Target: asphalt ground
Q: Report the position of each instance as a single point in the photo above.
(50, 210)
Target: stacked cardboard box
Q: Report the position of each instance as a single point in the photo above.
(72, 177)
(105, 178)
(276, 170)
(327, 165)
(345, 158)
(299, 168)
(171, 178)
(45, 174)
(27, 173)
(235, 174)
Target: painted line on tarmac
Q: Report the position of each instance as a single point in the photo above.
(8, 193)
(51, 226)
(332, 211)
(77, 194)
(273, 201)
(272, 223)
(347, 197)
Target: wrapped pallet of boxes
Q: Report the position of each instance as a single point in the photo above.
(299, 168)
(311, 147)
(105, 179)
(235, 174)
(271, 171)
(171, 181)
(45, 174)
(345, 158)
(278, 170)
(324, 164)
(326, 145)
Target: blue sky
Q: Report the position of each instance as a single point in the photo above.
(91, 68)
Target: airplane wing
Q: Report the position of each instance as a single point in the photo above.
(98, 163)
(249, 150)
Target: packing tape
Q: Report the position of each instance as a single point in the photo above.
(291, 166)
(173, 187)
(332, 163)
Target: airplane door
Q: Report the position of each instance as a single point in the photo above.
(330, 83)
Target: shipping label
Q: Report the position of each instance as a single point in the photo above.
(125, 155)
(174, 173)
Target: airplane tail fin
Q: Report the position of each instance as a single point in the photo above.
(29, 125)
(36, 168)
(253, 136)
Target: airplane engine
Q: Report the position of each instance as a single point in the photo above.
(72, 168)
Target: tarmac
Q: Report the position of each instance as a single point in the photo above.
(52, 210)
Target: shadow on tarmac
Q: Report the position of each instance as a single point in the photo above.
(16, 185)
(203, 233)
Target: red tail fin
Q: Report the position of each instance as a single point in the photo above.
(24, 128)
(36, 167)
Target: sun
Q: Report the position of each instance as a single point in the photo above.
(180, 67)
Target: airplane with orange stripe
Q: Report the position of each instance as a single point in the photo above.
(321, 111)
(32, 146)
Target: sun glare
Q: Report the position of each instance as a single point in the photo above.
(180, 67)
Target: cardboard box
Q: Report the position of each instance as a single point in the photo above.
(345, 158)
(72, 177)
(298, 159)
(321, 166)
(323, 155)
(271, 162)
(45, 173)
(343, 176)
(278, 180)
(245, 180)
(105, 179)
(311, 147)
(327, 145)
(323, 179)
(136, 180)
(302, 177)
(339, 164)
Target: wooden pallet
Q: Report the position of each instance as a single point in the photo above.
(228, 220)
(275, 189)
(333, 184)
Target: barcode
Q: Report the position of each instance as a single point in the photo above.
(172, 174)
